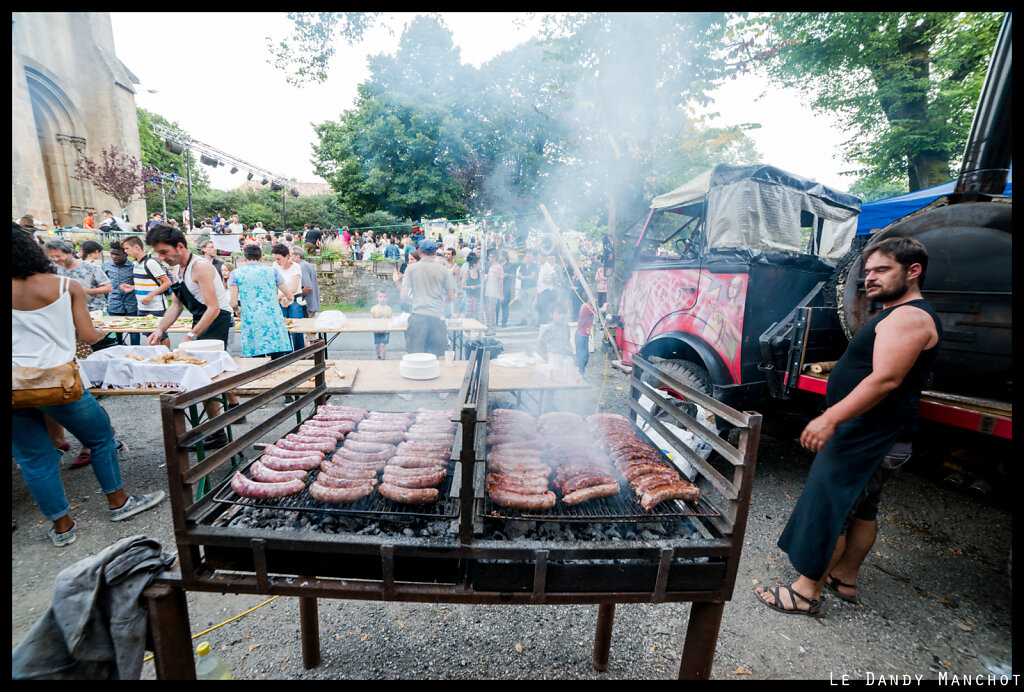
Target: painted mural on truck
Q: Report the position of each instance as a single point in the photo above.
(686, 300)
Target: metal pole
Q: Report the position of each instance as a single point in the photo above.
(284, 209)
(163, 194)
(188, 176)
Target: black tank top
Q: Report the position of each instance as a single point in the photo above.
(900, 405)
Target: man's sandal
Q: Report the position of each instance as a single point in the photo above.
(816, 610)
(833, 584)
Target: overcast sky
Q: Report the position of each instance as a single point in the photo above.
(211, 76)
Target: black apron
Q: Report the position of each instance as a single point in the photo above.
(843, 467)
(218, 329)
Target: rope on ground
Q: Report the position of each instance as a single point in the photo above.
(210, 629)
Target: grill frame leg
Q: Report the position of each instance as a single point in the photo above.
(309, 625)
(603, 635)
(701, 640)
(168, 628)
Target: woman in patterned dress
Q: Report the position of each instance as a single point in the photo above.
(258, 287)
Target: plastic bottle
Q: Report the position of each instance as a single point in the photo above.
(210, 667)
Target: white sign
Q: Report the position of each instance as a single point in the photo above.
(225, 241)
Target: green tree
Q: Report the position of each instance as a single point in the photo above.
(905, 84)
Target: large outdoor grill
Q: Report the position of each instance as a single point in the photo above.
(463, 548)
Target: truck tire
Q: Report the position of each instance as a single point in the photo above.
(688, 373)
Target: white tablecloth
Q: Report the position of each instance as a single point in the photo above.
(109, 368)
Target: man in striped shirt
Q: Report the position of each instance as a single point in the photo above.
(149, 282)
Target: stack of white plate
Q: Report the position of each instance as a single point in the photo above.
(419, 366)
(204, 345)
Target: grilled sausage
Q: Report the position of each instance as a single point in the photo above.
(332, 495)
(676, 491)
(297, 446)
(365, 457)
(347, 470)
(369, 426)
(521, 484)
(649, 482)
(358, 446)
(276, 451)
(591, 493)
(344, 425)
(265, 474)
(519, 467)
(634, 471)
(247, 488)
(307, 430)
(330, 481)
(441, 436)
(413, 462)
(415, 471)
(408, 496)
(421, 449)
(568, 486)
(515, 500)
(290, 464)
(393, 437)
(412, 481)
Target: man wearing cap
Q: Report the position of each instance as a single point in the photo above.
(427, 286)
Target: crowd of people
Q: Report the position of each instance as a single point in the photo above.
(154, 272)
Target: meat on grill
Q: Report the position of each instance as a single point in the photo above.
(307, 430)
(676, 491)
(346, 470)
(511, 499)
(265, 474)
(333, 495)
(330, 481)
(297, 446)
(393, 437)
(278, 451)
(413, 462)
(255, 489)
(275, 463)
(382, 426)
(415, 471)
(344, 425)
(408, 496)
(591, 493)
(404, 481)
(526, 485)
(365, 457)
(358, 446)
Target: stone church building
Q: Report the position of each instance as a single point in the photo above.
(69, 91)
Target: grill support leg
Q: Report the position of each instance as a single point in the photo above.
(167, 614)
(309, 625)
(603, 635)
(701, 639)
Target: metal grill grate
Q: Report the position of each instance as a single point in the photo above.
(624, 507)
(374, 505)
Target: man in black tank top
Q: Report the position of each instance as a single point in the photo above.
(872, 397)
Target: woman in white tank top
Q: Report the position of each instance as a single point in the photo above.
(46, 312)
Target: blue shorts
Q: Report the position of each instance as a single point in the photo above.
(381, 337)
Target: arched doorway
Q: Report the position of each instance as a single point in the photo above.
(56, 121)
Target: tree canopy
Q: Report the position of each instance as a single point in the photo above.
(905, 84)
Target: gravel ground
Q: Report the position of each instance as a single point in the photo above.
(935, 591)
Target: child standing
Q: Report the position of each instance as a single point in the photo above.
(554, 336)
(380, 339)
(584, 325)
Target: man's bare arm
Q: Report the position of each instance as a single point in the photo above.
(899, 340)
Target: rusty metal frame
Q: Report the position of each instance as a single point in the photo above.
(450, 570)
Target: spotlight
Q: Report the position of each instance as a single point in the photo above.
(265, 181)
(295, 193)
(234, 169)
(276, 186)
(249, 177)
(208, 160)
(173, 147)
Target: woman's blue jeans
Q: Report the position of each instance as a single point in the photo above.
(40, 462)
(295, 311)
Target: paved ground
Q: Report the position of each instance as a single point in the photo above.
(935, 590)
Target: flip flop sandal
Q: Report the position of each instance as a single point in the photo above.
(833, 584)
(816, 610)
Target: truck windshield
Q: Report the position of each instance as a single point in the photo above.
(672, 235)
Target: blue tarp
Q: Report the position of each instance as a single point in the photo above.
(881, 213)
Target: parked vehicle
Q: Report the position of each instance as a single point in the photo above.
(745, 276)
